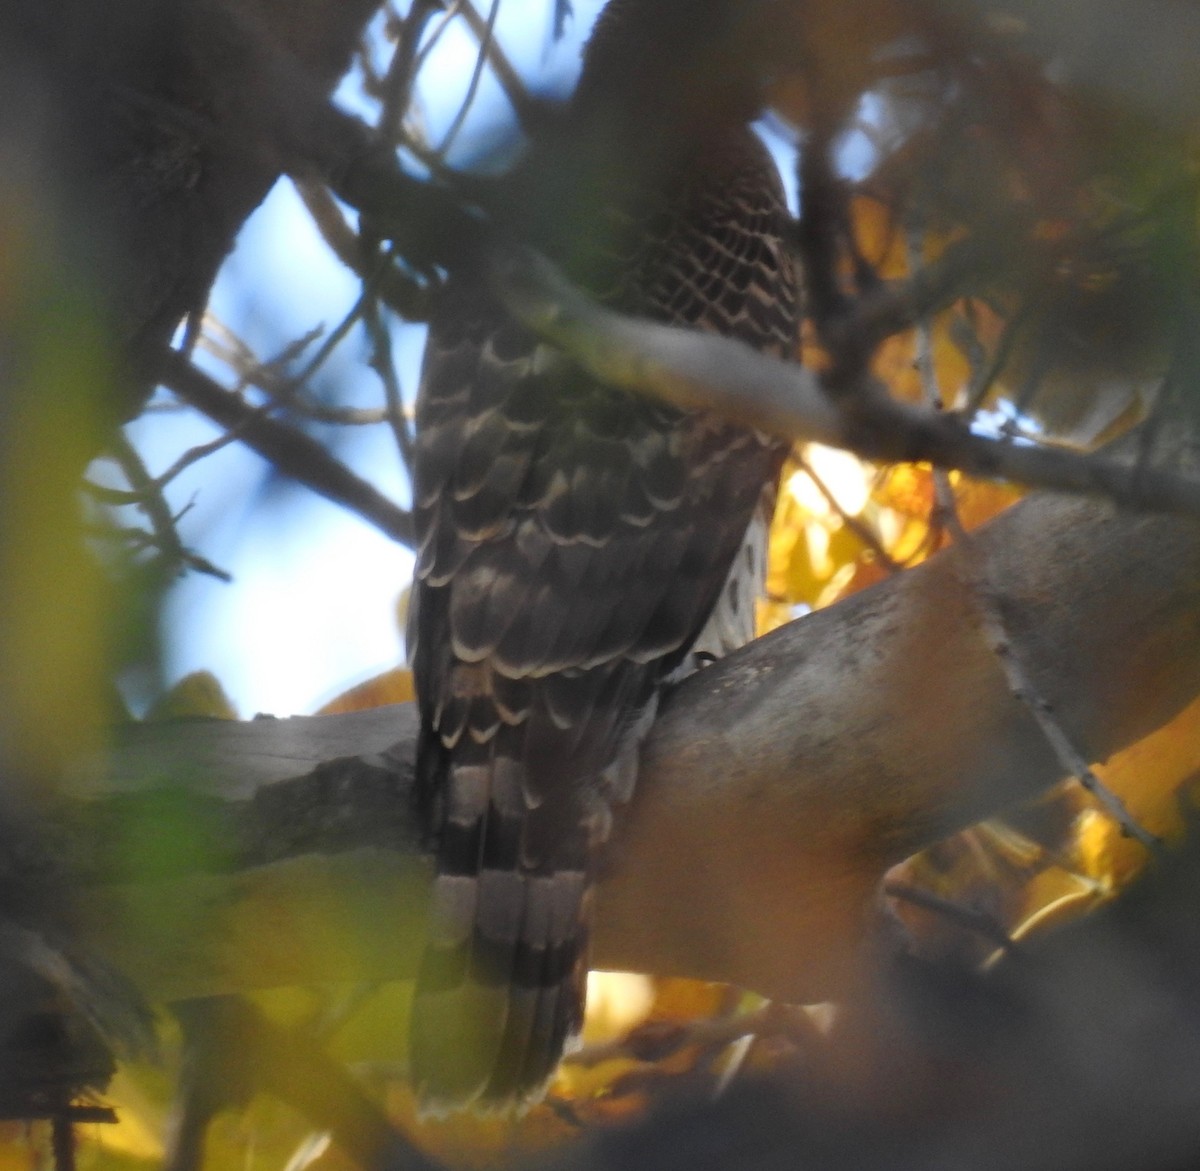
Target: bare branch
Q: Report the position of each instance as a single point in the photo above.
(284, 389)
(486, 37)
(969, 918)
(796, 768)
(383, 363)
(705, 372)
(863, 531)
(510, 80)
(1022, 687)
(292, 452)
(823, 224)
(399, 292)
(964, 267)
(402, 71)
(148, 494)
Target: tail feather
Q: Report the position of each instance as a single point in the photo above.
(453, 1014)
(501, 985)
(557, 1011)
(498, 992)
(508, 1081)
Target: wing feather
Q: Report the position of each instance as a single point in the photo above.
(575, 540)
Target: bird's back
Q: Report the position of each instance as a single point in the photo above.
(575, 541)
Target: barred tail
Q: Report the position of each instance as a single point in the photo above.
(500, 989)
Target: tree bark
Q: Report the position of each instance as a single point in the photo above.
(776, 787)
(155, 128)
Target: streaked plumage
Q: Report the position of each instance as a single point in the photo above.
(575, 541)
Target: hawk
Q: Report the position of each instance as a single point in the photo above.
(579, 545)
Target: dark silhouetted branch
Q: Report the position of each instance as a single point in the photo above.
(290, 451)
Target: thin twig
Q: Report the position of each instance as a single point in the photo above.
(563, 11)
(334, 339)
(399, 292)
(524, 107)
(971, 918)
(452, 10)
(148, 491)
(139, 539)
(283, 389)
(856, 525)
(119, 497)
(984, 375)
(319, 412)
(473, 86)
(270, 375)
(891, 307)
(149, 496)
(383, 363)
(197, 453)
(397, 85)
(510, 80)
(819, 231)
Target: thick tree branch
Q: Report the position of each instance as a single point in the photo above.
(704, 371)
(158, 131)
(777, 785)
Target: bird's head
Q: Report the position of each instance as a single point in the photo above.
(672, 66)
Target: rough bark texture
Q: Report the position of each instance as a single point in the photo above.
(155, 123)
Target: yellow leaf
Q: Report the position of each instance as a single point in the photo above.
(907, 489)
(197, 694)
(1151, 777)
(867, 572)
(1055, 896)
(394, 686)
(845, 548)
(978, 501)
(679, 999)
(770, 615)
(880, 239)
